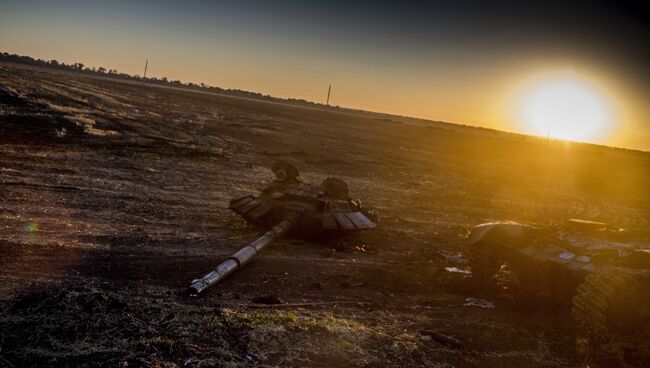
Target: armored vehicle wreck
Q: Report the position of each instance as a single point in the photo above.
(289, 205)
(601, 272)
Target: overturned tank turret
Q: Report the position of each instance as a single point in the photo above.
(289, 205)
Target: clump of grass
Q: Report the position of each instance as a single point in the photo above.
(89, 126)
(308, 338)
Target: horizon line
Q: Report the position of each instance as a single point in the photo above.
(259, 96)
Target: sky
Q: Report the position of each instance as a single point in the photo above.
(458, 61)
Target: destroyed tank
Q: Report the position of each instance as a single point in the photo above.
(601, 272)
(290, 205)
(314, 208)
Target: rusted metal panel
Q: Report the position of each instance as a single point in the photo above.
(328, 222)
(360, 220)
(260, 211)
(343, 221)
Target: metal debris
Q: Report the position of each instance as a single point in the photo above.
(443, 339)
(454, 257)
(477, 302)
(458, 270)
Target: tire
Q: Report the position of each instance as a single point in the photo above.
(610, 309)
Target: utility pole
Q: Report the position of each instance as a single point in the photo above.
(329, 90)
(146, 64)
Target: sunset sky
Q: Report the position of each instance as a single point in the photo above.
(460, 61)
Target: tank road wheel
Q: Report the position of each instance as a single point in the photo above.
(612, 313)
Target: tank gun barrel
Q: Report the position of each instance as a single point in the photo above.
(241, 258)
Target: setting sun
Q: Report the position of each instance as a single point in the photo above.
(565, 107)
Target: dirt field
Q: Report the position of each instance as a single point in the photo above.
(113, 197)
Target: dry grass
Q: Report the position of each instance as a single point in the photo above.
(129, 218)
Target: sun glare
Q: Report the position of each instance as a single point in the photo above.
(565, 107)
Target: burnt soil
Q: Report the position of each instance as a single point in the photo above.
(113, 197)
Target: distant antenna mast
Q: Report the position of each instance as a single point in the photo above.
(146, 64)
(329, 90)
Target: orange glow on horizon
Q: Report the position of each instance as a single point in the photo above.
(565, 107)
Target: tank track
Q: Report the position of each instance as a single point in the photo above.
(605, 301)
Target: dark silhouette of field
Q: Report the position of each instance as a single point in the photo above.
(113, 197)
(163, 81)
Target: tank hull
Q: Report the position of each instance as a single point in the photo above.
(583, 265)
